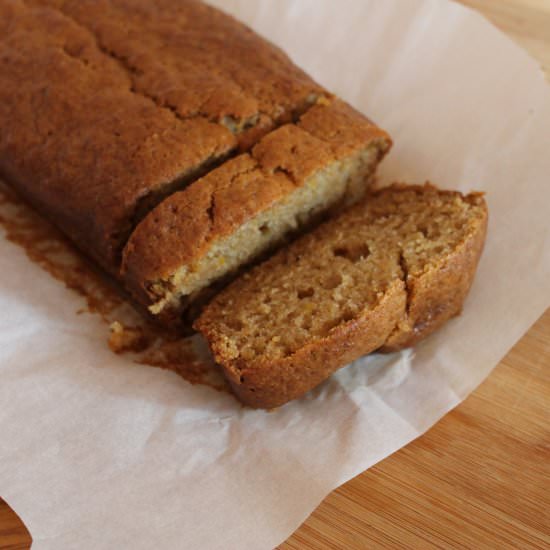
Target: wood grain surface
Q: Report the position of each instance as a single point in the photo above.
(481, 477)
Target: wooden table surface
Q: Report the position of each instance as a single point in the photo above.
(481, 477)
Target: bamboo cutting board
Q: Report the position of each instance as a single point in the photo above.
(481, 477)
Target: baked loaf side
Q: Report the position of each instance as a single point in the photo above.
(204, 234)
(383, 273)
(107, 107)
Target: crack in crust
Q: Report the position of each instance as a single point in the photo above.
(234, 124)
(122, 62)
(408, 296)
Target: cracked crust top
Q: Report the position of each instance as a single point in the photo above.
(109, 106)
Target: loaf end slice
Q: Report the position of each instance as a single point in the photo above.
(381, 275)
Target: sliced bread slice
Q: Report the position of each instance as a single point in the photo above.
(197, 238)
(383, 274)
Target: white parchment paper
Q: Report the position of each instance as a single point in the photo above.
(97, 452)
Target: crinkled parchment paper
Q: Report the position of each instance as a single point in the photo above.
(99, 452)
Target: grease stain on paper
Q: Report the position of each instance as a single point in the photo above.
(129, 332)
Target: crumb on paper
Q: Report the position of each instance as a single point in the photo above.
(123, 339)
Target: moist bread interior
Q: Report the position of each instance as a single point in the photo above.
(341, 181)
(344, 268)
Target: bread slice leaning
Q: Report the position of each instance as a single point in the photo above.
(382, 275)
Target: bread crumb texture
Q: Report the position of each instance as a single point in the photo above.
(402, 259)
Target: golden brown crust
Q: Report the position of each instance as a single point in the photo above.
(180, 230)
(267, 384)
(340, 125)
(197, 60)
(82, 146)
(437, 295)
(113, 105)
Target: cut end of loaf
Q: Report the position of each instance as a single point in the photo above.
(439, 259)
(342, 182)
